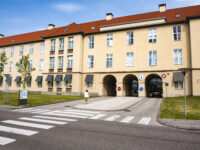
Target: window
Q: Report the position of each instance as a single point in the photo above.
(62, 44)
(19, 84)
(129, 38)
(110, 40)
(59, 84)
(70, 43)
(12, 51)
(21, 50)
(109, 59)
(1, 82)
(177, 33)
(42, 48)
(11, 66)
(178, 58)
(178, 85)
(39, 84)
(31, 49)
(69, 84)
(9, 84)
(152, 35)
(2, 67)
(129, 59)
(30, 64)
(3, 50)
(70, 61)
(50, 84)
(152, 58)
(28, 84)
(91, 42)
(53, 45)
(51, 62)
(89, 84)
(60, 65)
(41, 64)
(90, 61)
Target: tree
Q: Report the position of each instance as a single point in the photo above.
(3, 62)
(23, 67)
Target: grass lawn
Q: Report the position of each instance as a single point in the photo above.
(37, 99)
(173, 108)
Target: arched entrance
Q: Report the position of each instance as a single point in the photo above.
(153, 85)
(131, 85)
(109, 83)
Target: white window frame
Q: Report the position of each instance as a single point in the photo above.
(130, 59)
(69, 84)
(110, 40)
(60, 63)
(21, 50)
(52, 59)
(41, 64)
(28, 84)
(31, 49)
(50, 84)
(177, 34)
(70, 42)
(178, 85)
(59, 84)
(10, 66)
(90, 61)
(12, 49)
(30, 64)
(62, 41)
(3, 50)
(91, 42)
(39, 84)
(152, 36)
(53, 45)
(69, 61)
(178, 56)
(130, 38)
(89, 84)
(153, 58)
(42, 48)
(109, 60)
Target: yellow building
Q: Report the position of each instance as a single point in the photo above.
(137, 55)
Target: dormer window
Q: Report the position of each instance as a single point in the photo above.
(178, 15)
(65, 30)
(92, 28)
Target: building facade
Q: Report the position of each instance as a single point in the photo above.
(138, 55)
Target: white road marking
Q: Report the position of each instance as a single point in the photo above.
(4, 141)
(144, 120)
(17, 131)
(22, 109)
(97, 116)
(127, 119)
(43, 120)
(55, 118)
(112, 118)
(64, 115)
(26, 124)
(31, 110)
(82, 111)
(41, 111)
(75, 113)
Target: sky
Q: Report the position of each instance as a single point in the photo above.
(22, 16)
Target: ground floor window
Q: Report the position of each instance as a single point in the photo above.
(178, 85)
(39, 84)
(59, 84)
(28, 84)
(1, 83)
(89, 84)
(18, 84)
(9, 84)
(50, 84)
(69, 84)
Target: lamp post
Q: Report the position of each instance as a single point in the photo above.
(6, 89)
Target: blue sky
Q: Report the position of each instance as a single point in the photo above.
(21, 16)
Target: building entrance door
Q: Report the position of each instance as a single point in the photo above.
(131, 85)
(109, 83)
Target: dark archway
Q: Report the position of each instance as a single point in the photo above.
(109, 83)
(131, 85)
(153, 85)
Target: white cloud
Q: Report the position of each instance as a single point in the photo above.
(190, 2)
(67, 7)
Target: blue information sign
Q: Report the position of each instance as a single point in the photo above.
(141, 89)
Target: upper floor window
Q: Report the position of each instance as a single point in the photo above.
(69, 61)
(30, 64)
(152, 58)
(41, 64)
(53, 45)
(91, 42)
(60, 64)
(129, 38)
(31, 49)
(110, 40)
(10, 66)
(90, 61)
(3, 50)
(21, 50)
(178, 57)
(61, 43)
(11, 51)
(51, 62)
(42, 48)
(129, 59)
(177, 33)
(109, 59)
(70, 43)
(152, 35)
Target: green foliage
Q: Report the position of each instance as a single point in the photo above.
(23, 67)
(3, 61)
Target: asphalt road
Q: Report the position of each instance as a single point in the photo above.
(85, 134)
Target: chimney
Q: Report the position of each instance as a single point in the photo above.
(109, 16)
(51, 26)
(1, 36)
(162, 7)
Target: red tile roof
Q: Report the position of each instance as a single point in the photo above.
(86, 28)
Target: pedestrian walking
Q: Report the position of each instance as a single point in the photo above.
(86, 96)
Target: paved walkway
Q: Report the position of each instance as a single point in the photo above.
(110, 104)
